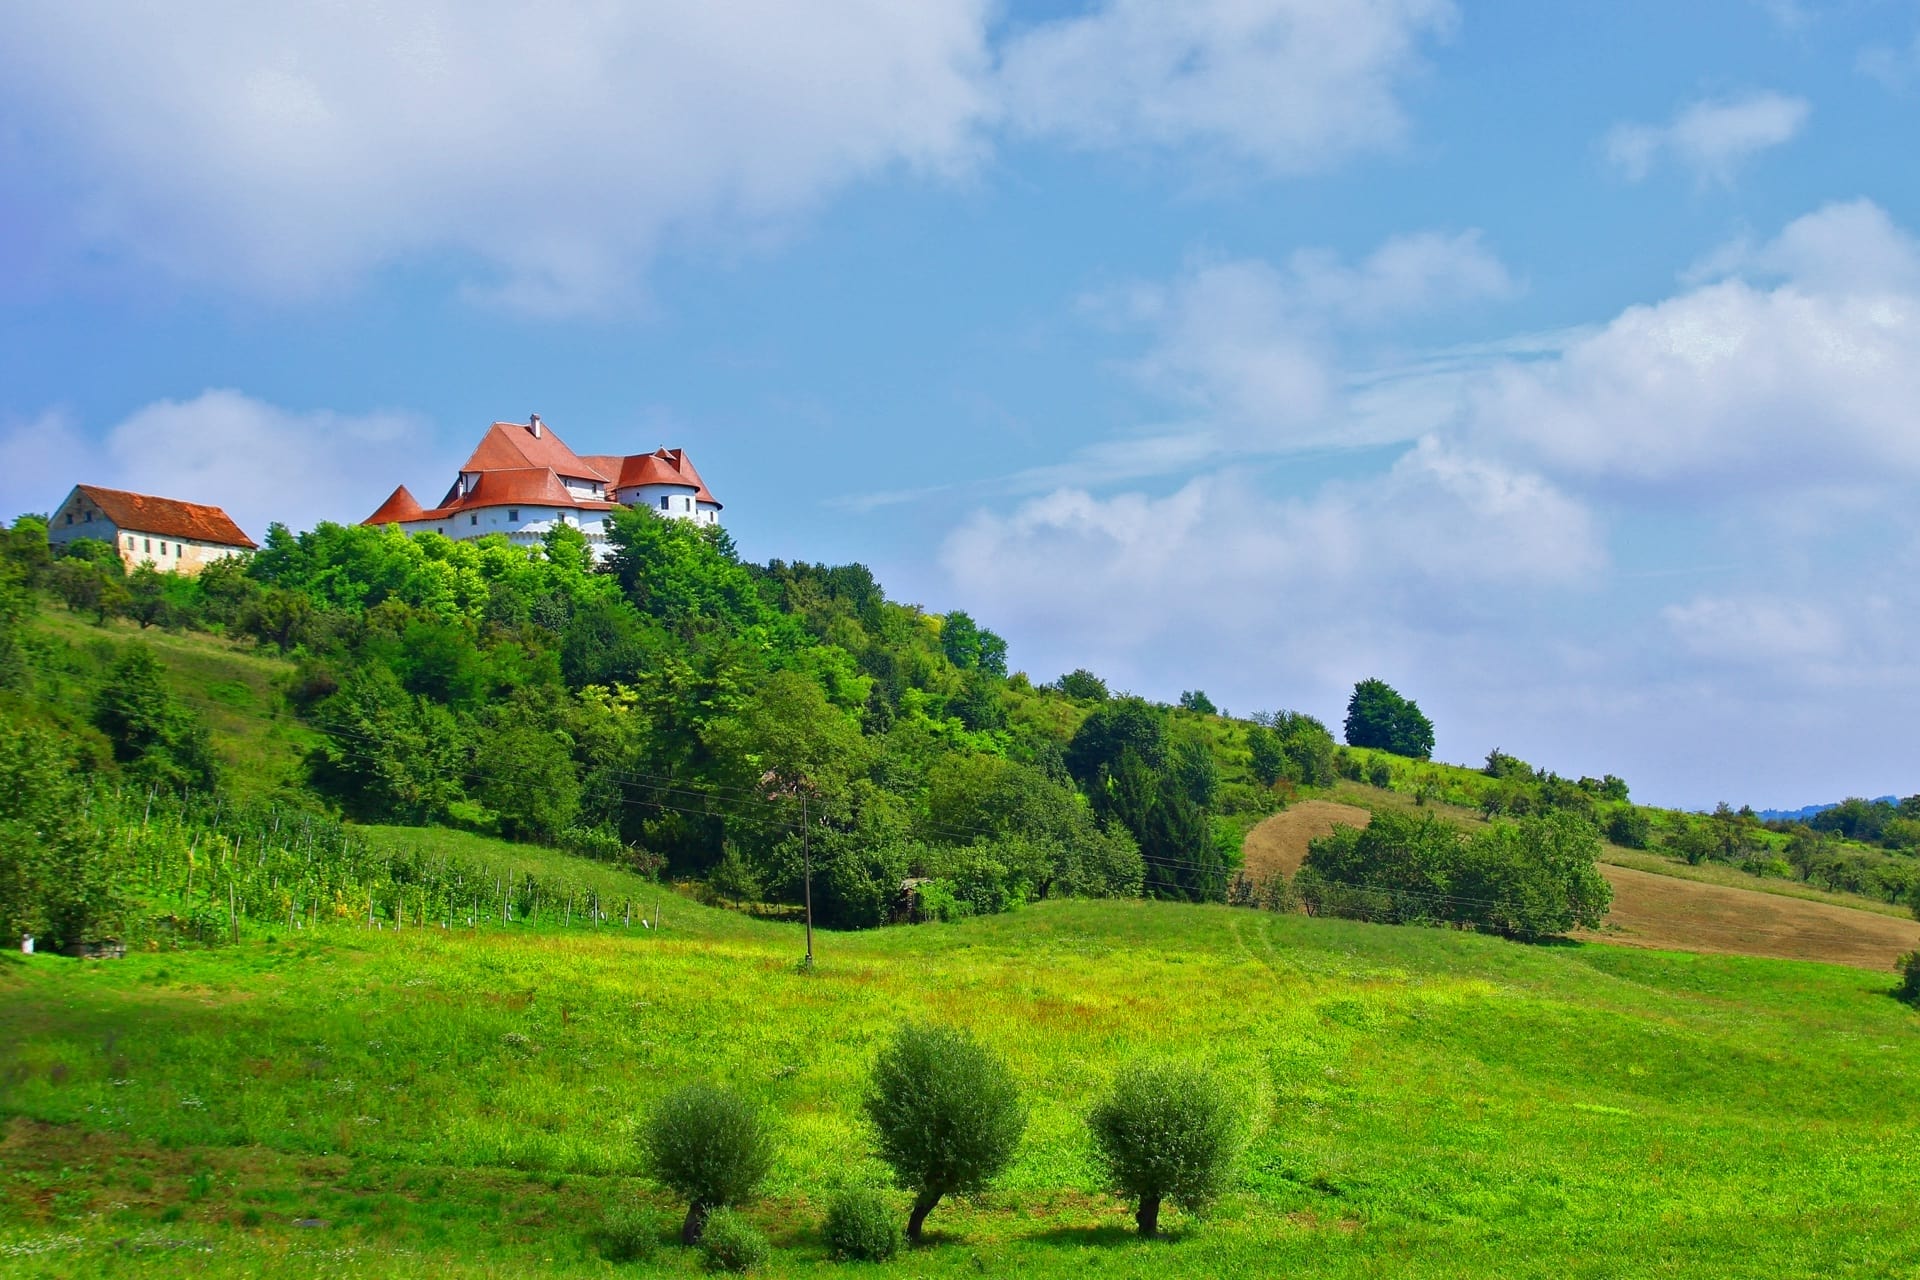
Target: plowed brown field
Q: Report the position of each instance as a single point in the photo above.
(1653, 910)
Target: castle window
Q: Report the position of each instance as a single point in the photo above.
(89, 517)
(473, 519)
(512, 514)
(663, 502)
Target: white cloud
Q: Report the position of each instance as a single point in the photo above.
(542, 157)
(545, 151)
(1749, 438)
(260, 462)
(1895, 67)
(1736, 385)
(1289, 84)
(1755, 629)
(1251, 351)
(1711, 139)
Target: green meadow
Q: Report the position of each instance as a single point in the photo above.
(1431, 1103)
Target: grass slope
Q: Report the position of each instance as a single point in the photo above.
(1435, 1103)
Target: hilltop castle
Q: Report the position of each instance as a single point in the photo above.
(522, 480)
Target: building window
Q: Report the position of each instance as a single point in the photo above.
(69, 517)
(512, 514)
(473, 519)
(89, 517)
(146, 544)
(663, 502)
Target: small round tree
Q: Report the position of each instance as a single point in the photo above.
(1167, 1131)
(710, 1146)
(947, 1114)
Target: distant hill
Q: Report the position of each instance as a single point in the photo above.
(1807, 811)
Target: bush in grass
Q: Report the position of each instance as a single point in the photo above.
(947, 1114)
(861, 1227)
(709, 1145)
(627, 1233)
(1909, 970)
(731, 1243)
(1168, 1131)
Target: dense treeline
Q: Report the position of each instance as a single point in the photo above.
(1529, 879)
(738, 721)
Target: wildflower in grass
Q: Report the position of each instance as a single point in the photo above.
(1168, 1131)
(710, 1146)
(947, 1113)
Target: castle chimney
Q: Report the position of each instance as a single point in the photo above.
(534, 424)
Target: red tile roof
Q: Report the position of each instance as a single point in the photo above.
(663, 466)
(510, 446)
(167, 517)
(399, 508)
(514, 467)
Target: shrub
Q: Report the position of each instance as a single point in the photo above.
(1380, 773)
(627, 1233)
(1909, 970)
(947, 1115)
(1630, 828)
(731, 1243)
(1167, 1131)
(709, 1145)
(861, 1227)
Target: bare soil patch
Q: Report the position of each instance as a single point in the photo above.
(1280, 843)
(1685, 915)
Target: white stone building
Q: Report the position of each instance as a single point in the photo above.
(523, 480)
(174, 536)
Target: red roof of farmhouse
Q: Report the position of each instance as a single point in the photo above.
(517, 465)
(167, 517)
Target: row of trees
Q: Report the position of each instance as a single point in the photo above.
(1530, 879)
(946, 1117)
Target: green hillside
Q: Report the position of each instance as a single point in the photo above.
(1433, 1103)
(360, 1031)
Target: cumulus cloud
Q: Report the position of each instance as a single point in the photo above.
(1750, 437)
(260, 462)
(1803, 370)
(542, 157)
(547, 150)
(1710, 139)
(1288, 84)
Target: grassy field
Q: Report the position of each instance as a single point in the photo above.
(1433, 1103)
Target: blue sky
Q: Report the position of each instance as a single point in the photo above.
(1559, 364)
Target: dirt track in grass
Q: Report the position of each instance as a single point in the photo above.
(1652, 910)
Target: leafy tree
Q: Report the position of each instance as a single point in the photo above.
(1168, 1131)
(1081, 684)
(156, 738)
(1501, 765)
(1197, 700)
(1378, 717)
(1909, 970)
(390, 756)
(970, 646)
(946, 1113)
(1309, 748)
(525, 774)
(711, 1147)
(1267, 758)
(60, 877)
